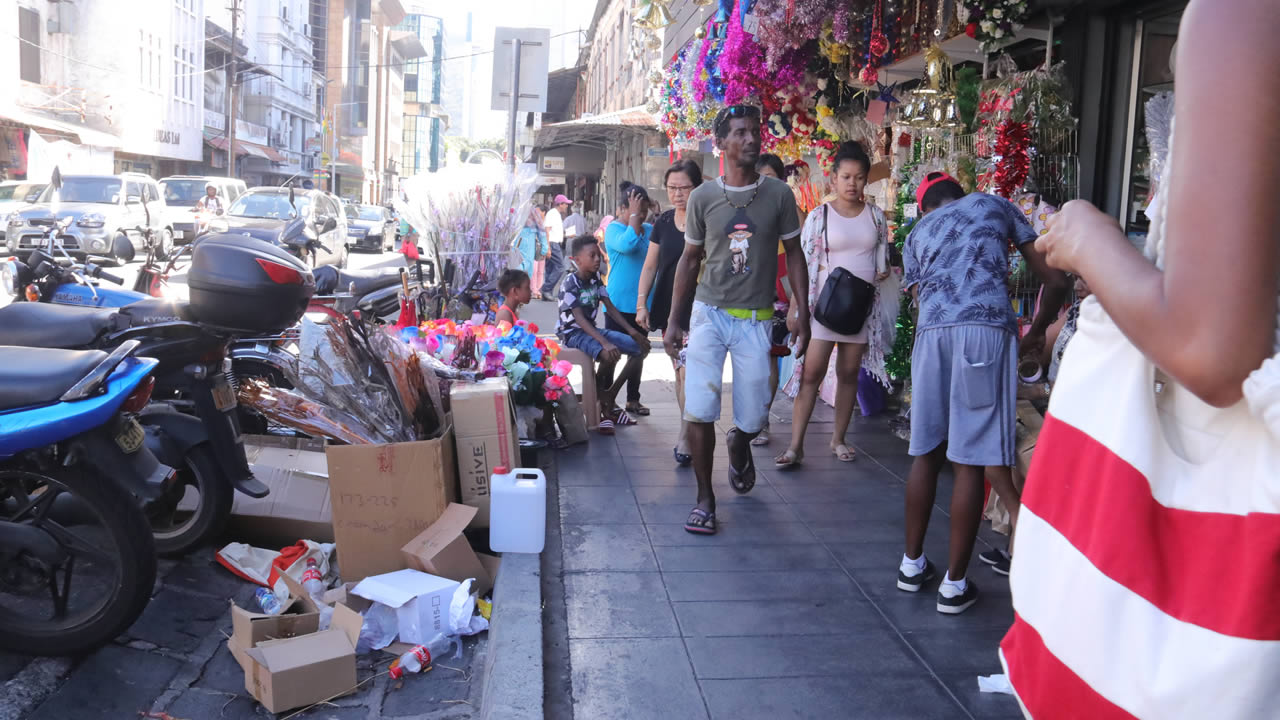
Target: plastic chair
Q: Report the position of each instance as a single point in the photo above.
(590, 404)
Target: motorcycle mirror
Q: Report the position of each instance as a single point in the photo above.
(329, 225)
(291, 196)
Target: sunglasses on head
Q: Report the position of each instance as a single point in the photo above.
(737, 111)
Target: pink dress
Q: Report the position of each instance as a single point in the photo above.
(852, 246)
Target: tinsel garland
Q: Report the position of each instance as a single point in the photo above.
(1013, 140)
(898, 362)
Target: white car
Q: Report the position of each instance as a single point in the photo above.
(182, 192)
(15, 194)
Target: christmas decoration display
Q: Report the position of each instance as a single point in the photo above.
(992, 21)
(515, 351)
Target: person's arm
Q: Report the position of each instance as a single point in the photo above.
(628, 240)
(1209, 318)
(797, 270)
(647, 275)
(685, 282)
(1056, 284)
(636, 333)
(609, 351)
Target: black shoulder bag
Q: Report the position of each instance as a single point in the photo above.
(846, 299)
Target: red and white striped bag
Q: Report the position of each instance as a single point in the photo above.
(1146, 572)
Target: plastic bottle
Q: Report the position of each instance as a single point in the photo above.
(420, 656)
(312, 580)
(268, 601)
(518, 510)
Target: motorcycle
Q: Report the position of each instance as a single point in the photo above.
(194, 425)
(74, 474)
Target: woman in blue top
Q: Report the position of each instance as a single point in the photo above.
(627, 241)
(531, 241)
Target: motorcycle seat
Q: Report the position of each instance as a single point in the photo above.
(53, 326)
(330, 280)
(156, 310)
(36, 376)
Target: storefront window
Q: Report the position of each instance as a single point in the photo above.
(1156, 42)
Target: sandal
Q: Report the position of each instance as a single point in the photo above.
(606, 427)
(638, 409)
(843, 453)
(621, 418)
(789, 459)
(701, 522)
(762, 439)
(741, 480)
(682, 459)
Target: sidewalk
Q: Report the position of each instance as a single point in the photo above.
(791, 611)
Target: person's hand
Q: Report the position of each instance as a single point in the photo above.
(642, 317)
(637, 204)
(1072, 230)
(610, 353)
(1031, 344)
(801, 338)
(673, 340)
(881, 276)
(792, 321)
(642, 340)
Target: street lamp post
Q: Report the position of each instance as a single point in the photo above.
(333, 159)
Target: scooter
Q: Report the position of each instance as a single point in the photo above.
(77, 558)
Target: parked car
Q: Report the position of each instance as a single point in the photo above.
(106, 211)
(268, 213)
(15, 194)
(182, 192)
(370, 227)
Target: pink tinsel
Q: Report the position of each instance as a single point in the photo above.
(747, 73)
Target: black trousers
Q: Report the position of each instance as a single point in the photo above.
(553, 269)
(604, 380)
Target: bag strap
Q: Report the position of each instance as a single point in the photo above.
(826, 246)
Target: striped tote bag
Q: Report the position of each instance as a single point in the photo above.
(1146, 571)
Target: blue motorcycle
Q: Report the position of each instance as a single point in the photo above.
(77, 558)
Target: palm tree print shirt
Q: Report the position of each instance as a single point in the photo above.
(958, 255)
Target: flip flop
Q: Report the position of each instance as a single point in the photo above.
(741, 480)
(844, 454)
(638, 409)
(789, 459)
(606, 427)
(622, 418)
(700, 522)
(682, 459)
(762, 439)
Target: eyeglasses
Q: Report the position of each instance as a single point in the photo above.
(679, 188)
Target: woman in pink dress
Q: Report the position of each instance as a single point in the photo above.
(850, 233)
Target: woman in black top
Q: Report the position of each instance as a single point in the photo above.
(666, 243)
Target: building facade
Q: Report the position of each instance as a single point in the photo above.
(424, 117)
(68, 98)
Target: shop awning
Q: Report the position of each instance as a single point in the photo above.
(244, 147)
(49, 126)
(603, 129)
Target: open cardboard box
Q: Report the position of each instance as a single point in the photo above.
(443, 550)
(297, 472)
(421, 601)
(484, 422)
(288, 661)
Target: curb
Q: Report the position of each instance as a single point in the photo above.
(513, 671)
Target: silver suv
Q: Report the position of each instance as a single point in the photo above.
(107, 213)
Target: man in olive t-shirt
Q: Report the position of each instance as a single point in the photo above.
(733, 228)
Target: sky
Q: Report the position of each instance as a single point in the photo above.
(560, 16)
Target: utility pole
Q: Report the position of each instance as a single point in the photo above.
(231, 91)
(515, 101)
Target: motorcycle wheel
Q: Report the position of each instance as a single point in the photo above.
(196, 509)
(102, 532)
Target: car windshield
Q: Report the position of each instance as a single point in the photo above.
(371, 212)
(182, 192)
(269, 205)
(86, 190)
(22, 192)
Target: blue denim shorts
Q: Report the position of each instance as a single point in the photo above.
(714, 333)
(580, 340)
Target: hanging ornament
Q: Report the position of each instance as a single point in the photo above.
(700, 32)
(703, 3)
(653, 42)
(878, 44)
(655, 77)
(653, 14)
(869, 75)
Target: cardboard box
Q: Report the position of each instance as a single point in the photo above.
(297, 472)
(421, 601)
(383, 496)
(299, 617)
(484, 422)
(298, 671)
(443, 550)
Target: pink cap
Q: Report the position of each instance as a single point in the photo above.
(562, 199)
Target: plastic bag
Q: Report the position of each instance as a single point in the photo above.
(462, 612)
(378, 630)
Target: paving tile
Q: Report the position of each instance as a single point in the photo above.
(668, 495)
(759, 585)
(583, 505)
(813, 616)
(744, 558)
(987, 706)
(114, 682)
(969, 650)
(607, 547)
(872, 490)
(882, 559)
(733, 533)
(593, 471)
(862, 650)
(178, 620)
(804, 476)
(198, 704)
(618, 605)
(728, 513)
(635, 679)
(918, 611)
(222, 673)
(200, 572)
(879, 696)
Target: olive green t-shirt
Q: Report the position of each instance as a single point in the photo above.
(740, 237)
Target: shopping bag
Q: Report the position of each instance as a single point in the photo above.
(1147, 551)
